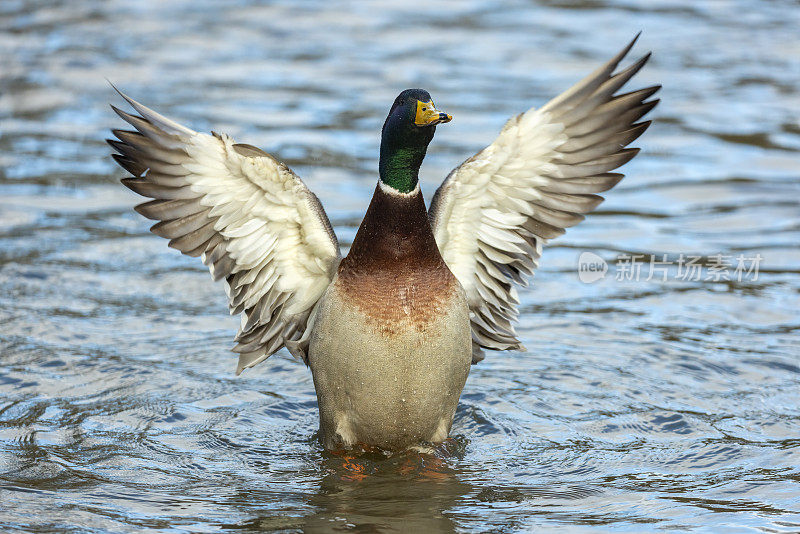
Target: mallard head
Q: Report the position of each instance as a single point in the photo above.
(413, 117)
(408, 130)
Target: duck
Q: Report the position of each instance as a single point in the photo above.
(389, 331)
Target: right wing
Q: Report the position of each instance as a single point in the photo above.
(251, 219)
(493, 213)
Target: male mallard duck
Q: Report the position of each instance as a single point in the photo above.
(389, 331)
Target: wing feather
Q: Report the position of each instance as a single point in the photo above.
(253, 222)
(541, 175)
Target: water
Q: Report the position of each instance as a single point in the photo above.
(640, 405)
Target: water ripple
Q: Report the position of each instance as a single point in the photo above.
(640, 405)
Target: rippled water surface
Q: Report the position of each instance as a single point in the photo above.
(640, 404)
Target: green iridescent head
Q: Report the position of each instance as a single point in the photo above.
(408, 130)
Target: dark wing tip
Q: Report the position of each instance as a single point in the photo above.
(128, 99)
(624, 51)
(129, 164)
(635, 38)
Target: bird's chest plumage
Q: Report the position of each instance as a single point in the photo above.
(390, 354)
(398, 297)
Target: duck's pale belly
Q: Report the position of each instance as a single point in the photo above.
(389, 376)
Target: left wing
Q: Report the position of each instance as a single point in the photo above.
(252, 220)
(493, 213)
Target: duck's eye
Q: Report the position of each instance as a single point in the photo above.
(424, 109)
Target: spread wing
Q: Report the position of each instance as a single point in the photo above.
(493, 213)
(253, 222)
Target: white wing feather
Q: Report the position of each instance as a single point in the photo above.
(493, 213)
(251, 219)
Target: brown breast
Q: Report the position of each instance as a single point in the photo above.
(394, 273)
